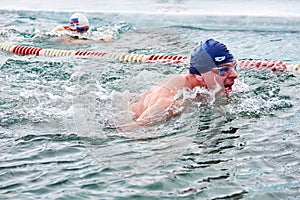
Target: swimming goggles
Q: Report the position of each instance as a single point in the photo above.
(74, 25)
(224, 71)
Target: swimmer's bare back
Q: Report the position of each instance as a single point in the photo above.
(68, 39)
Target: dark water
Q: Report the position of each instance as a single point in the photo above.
(54, 144)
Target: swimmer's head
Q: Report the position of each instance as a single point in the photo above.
(207, 55)
(79, 22)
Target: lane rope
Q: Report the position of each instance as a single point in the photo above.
(274, 65)
(132, 58)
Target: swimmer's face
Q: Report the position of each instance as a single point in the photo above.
(78, 29)
(221, 78)
(74, 26)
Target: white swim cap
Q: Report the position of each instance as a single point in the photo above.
(81, 22)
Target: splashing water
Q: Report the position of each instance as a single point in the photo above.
(53, 111)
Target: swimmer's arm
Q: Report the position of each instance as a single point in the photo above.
(69, 40)
(162, 110)
(151, 115)
(59, 28)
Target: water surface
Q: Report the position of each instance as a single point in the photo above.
(54, 143)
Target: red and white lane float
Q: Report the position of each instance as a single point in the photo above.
(133, 58)
(274, 65)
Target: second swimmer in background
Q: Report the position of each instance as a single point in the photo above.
(78, 24)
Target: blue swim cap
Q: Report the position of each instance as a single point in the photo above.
(208, 55)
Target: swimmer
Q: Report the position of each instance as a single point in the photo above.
(78, 23)
(212, 66)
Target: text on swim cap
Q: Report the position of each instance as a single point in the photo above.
(220, 58)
